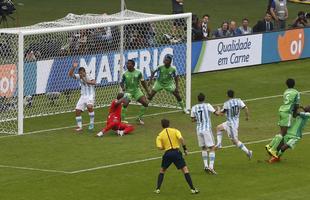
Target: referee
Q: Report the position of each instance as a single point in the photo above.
(169, 140)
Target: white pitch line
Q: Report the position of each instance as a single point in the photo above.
(157, 158)
(34, 169)
(150, 115)
(119, 164)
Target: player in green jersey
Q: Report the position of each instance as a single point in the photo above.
(294, 134)
(168, 80)
(288, 109)
(287, 112)
(130, 85)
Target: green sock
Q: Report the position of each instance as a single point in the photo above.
(124, 111)
(272, 142)
(181, 104)
(277, 140)
(142, 111)
(280, 152)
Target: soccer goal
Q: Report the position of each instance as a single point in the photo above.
(35, 61)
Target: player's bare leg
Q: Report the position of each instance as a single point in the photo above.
(283, 130)
(151, 95)
(143, 101)
(91, 117)
(219, 136)
(177, 95)
(78, 118)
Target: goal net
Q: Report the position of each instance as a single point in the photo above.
(35, 61)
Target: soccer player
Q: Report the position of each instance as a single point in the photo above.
(294, 134)
(170, 139)
(130, 85)
(114, 121)
(232, 109)
(87, 98)
(201, 114)
(168, 80)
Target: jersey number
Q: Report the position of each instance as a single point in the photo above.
(200, 115)
(235, 110)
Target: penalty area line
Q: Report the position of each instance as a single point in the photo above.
(118, 164)
(149, 115)
(157, 158)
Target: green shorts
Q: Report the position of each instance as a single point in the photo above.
(291, 141)
(158, 87)
(285, 119)
(135, 95)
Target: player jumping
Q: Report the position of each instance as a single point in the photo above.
(294, 134)
(168, 80)
(87, 98)
(287, 111)
(232, 109)
(114, 118)
(130, 85)
(201, 114)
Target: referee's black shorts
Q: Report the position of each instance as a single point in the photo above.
(173, 156)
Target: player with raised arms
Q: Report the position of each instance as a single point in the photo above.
(168, 80)
(114, 121)
(130, 85)
(200, 113)
(231, 109)
(87, 98)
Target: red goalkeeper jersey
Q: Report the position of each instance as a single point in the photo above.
(115, 111)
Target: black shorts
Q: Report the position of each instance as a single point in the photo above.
(173, 156)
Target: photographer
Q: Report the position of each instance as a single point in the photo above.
(301, 20)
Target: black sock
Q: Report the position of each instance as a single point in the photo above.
(189, 180)
(160, 180)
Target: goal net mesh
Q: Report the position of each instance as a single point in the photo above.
(48, 56)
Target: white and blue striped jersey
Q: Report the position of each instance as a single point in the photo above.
(232, 109)
(86, 89)
(202, 114)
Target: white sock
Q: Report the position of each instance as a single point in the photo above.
(219, 138)
(205, 158)
(92, 117)
(242, 147)
(212, 159)
(78, 120)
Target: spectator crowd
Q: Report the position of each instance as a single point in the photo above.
(275, 19)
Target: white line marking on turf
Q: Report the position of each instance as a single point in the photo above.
(149, 115)
(34, 169)
(157, 158)
(119, 164)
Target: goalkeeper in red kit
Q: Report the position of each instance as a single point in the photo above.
(114, 120)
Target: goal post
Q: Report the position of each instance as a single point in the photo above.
(43, 54)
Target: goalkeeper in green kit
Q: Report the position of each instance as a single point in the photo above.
(294, 134)
(168, 80)
(130, 85)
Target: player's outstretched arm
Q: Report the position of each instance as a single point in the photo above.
(71, 71)
(152, 76)
(90, 82)
(144, 85)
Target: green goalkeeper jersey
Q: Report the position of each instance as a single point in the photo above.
(298, 125)
(291, 97)
(166, 75)
(131, 80)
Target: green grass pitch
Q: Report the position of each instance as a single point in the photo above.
(54, 163)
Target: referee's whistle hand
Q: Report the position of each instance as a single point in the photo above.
(186, 152)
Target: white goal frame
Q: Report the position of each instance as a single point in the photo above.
(25, 32)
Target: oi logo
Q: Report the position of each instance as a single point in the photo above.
(8, 79)
(291, 44)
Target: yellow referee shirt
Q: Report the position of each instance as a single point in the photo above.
(169, 138)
